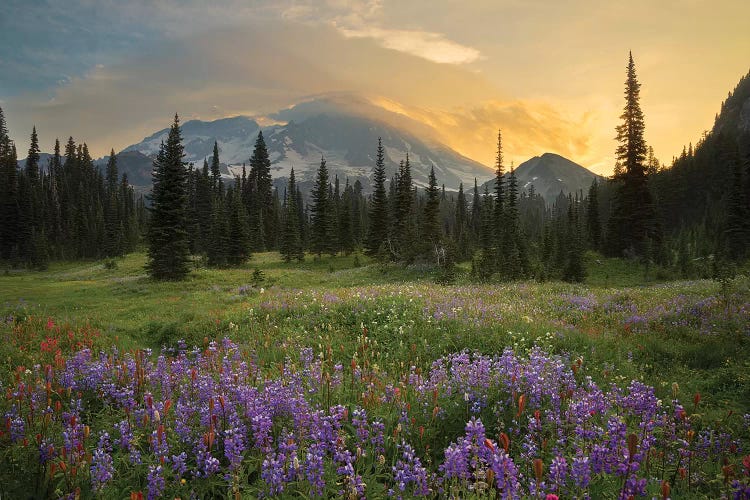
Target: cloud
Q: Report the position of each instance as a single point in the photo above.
(362, 19)
(431, 46)
(529, 129)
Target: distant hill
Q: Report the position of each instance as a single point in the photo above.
(551, 174)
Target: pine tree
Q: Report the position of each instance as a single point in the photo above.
(735, 226)
(377, 235)
(574, 269)
(169, 253)
(112, 225)
(216, 183)
(593, 226)
(499, 215)
(203, 197)
(403, 208)
(345, 237)
(431, 232)
(461, 231)
(263, 209)
(238, 241)
(476, 214)
(291, 240)
(217, 252)
(321, 220)
(513, 255)
(32, 159)
(9, 208)
(633, 224)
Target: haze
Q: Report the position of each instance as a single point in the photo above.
(550, 74)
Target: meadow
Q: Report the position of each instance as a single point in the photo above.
(342, 377)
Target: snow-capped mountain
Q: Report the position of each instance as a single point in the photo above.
(551, 174)
(347, 140)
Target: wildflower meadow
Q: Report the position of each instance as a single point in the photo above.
(360, 381)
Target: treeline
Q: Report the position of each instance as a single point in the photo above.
(681, 218)
(704, 197)
(507, 234)
(66, 209)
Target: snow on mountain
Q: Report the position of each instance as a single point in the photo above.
(551, 174)
(346, 139)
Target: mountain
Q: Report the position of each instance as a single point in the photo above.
(550, 174)
(345, 137)
(697, 190)
(44, 159)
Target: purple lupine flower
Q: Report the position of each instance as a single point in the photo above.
(102, 468)
(580, 471)
(156, 482)
(409, 470)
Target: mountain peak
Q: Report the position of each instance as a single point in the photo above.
(551, 173)
(342, 130)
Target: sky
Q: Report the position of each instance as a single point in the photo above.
(550, 74)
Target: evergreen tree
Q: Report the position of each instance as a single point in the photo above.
(377, 235)
(169, 253)
(461, 231)
(345, 237)
(9, 209)
(112, 225)
(513, 255)
(291, 241)
(499, 215)
(632, 225)
(321, 220)
(238, 241)
(32, 159)
(403, 208)
(574, 269)
(217, 252)
(431, 232)
(216, 183)
(735, 227)
(263, 206)
(476, 214)
(203, 197)
(593, 226)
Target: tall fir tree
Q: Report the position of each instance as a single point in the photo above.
(169, 253)
(216, 183)
(377, 235)
(476, 214)
(32, 158)
(291, 240)
(431, 229)
(9, 209)
(403, 209)
(593, 225)
(345, 236)
(320, 213)
(735, 223)
(513, 254)
(217, 251)
(499, 209)
(238, 241)
(112, 224)
(633, 226)
(263, 206)
(203, 197)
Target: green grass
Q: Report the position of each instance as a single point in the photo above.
(134, 311)
(623, 324)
